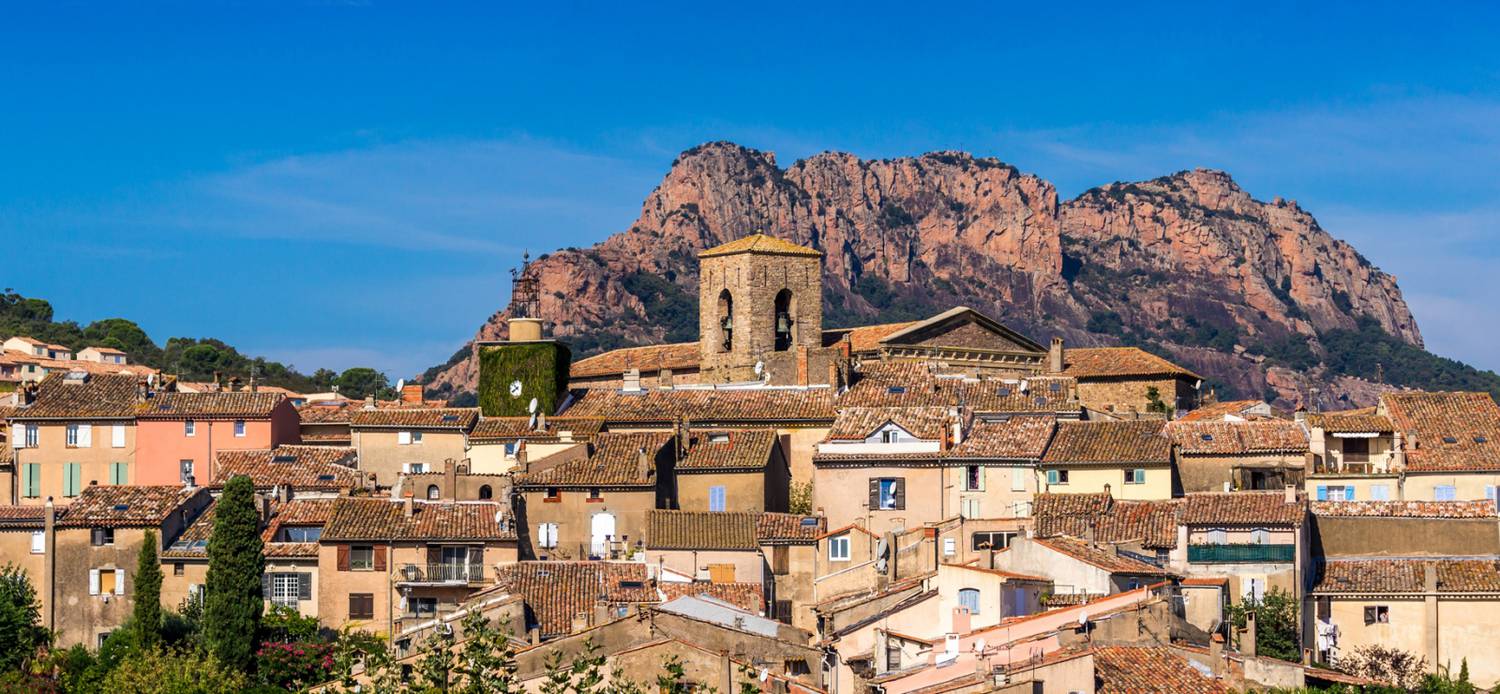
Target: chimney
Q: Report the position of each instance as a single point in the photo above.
(664, 378)
(726, 672)
(801, 365)
(49, 562)
(1055, 362)
(370, 401)
(408, 505)
(265, 508)
(1216, 654)
(642, 464)
(580, 622)
(218, 380)
(961, 620)
(632, 381)
(190, 482)
(411, 393)
(1247, 638)
(833, 375)
(450, 478)
(1107, 491)
(283, 493)
(1291, 494)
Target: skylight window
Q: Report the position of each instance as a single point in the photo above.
(718, 438)
(809, 522)
(450, 417)
(1481, 439)
(1004, 391)
(122, 507)
(896, 390)
(325, 478)
(1208, 437)
(1450, 439)
(284, 459)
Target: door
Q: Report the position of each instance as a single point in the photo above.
(455, 563)
(603, 527)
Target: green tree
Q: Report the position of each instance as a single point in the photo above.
(174, 672)
(487, 662)
(673, 678)
(800, 501)
(361, 381)
(147, 611)
(435, 668)
(21, 634)
(1153, 400)
(233, 603)
(1275, 624)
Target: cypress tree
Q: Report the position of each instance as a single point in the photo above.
(147, 612)
(232, 604)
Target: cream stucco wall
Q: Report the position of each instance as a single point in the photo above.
(52, 454)
(1091, 480)
(382, 454)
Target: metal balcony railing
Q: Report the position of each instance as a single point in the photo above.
(1241, 554)
(441, 573)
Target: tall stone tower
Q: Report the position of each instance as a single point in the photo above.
(760, 300)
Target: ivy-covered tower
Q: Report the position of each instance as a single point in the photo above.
(526, 365)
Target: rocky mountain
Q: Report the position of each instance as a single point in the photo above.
(1190, 266)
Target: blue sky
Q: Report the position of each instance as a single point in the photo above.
(338, 184)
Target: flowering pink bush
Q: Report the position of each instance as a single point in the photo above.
(293, 665)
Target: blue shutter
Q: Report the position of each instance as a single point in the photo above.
(1322, 493)
(716, 499)
(1349, 493)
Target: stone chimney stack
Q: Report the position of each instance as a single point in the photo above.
(49, 562)
(632, 381)
(450, 478)
(370, 402)
(642, 463)
(1247, 639)
(1291, 494)
(1055, 363)
(409, 505)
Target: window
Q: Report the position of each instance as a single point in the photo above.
(485, 492)
(890, 436)
(72, 479)
(106, 581)
(80, 435)
(546, 535)
(973, 478)
(1018, 479)
(1380, 492)
(950, 546)
(117, 436)
(185, 470)
(892, 654)
(990, 540)
(103, 536)
(285, 590)
(596, 494)
(1377, 614)
(838, 548)
(716, 498)
(1135, 475)
(1335, 493)
(968, 598)
(783, 320)
(178, 569)
(416, 437)
(510, 449)
(361, 606)
(423, 607)
(1057, 477)
(403, 438)
(726, 321)
(119, 473)
(887, 494)
(970, 507)
(31, 480)
(553, 494)
(433, 492)
(38, 542)
(413, 468)
(189, 428)
(1255, 589)
(362, 558)
(300, 533)
(1260, 536)
(1444, 492)
(1217, 536)
(32, 432)
(239, 428)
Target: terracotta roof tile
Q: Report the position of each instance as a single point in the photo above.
(707, 405)
(789, 528)
(613, 460)
(1353, 422)
(731, 449)
(760, 243)
(1149, 670)
(461, 418)
(1447, 431)
(99, 396)
(865, 338)
(1021, 438)
(1404, 509)
(296, 513)
(858, 423)
(1237, 438)
(491, 429)
(556, 591)
(1114, 362)
(1216, 412)
(744, 595)
(237, 404)
(679, 356)
(26, 516)
(1102, 557)
(385, 519)
(1383, 575)
(702, 530)
(914, 384)
(299, 467)
(113, 506)
(1152, 523)
(1109, 443)
(327, 412)
(1241, 508)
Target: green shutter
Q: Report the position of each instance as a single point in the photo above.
(72, 479)
(33, 482)
(118, 473)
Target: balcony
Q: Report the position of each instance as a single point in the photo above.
(441, 573)
(1241, 554)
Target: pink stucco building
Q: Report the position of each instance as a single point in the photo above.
(179, 434)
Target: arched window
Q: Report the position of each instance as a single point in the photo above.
(968, 598)
(726, 321)
(485, 492)
(433, 492)
(784, 321)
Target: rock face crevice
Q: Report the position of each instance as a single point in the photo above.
(1188, 264)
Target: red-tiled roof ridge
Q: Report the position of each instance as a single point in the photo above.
(1242, 508)
(676, 355)
(1099, 557)
(848, 528)
(1110, 362)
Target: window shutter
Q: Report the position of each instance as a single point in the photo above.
(304, 586)
(874, 493)
(343, 557)
(434, 554)
(38, 542)
(1018, 479)
(379, 557)
(18, 436)
(900, 493)
(1349, 493)
(403, 438)
(117, 436)
(119, 581)
(93, 581)
(265, 585)
(85, 435)
(1322, 493)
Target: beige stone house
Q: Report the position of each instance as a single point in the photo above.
(27, 536)
(789, 542)
(994, 472)
(706, 547)
(1220, 456)
(1356, 455)
(1120, 381)
(1079, 567)
(75, 431)
(1256, 540)
(875, 459)
(495, 441)
(1128, 459)
(742, 470)
(394, 441)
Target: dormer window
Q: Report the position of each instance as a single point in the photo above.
(890, 436)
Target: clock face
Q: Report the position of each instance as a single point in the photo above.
(515, 389)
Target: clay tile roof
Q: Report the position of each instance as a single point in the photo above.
(1447, 431)
(865, 338)
(1237, 438)
(519, 428)
(707, 405)
(297, 512)
(1118, 362)
(1149, 670)
(1109, 443)
(613, 461)
(193, 541)
(913, 384)
(1102, 557)
(25, 516)
(760, 243)
(1215, 412)
(744, 595)
(1386, 575)
(1483, 508)
(241, 404)
(1016, 438)
(556, 591)
(327, 412)
(1152, 523)
(732, 449)
(101, 396)
(677, 356)
(702, 530)
(112, 506)
(460, 418)
(299, 467)
(1241, 508)
(790, 528)
(1363, 421)
(858, 423)
(385, 519)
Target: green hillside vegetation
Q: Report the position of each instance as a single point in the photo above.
(190, 359)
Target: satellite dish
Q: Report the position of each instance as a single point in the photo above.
(1023, 385)
(1083, 619)
(400, 384)
(979, 646)
(532, 407)
(882, 549)
(764, 673)
(760, 366)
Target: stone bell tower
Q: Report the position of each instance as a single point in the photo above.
(760, 300)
